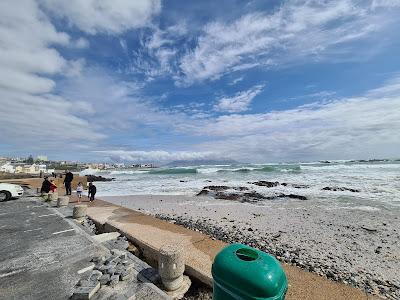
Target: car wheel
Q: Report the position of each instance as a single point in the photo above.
(5, 196)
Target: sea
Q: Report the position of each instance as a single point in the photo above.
(378, 181)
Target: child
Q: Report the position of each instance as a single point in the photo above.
(92, 191)
(79, 191)
(53, 186)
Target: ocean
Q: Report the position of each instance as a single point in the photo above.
(378, 182)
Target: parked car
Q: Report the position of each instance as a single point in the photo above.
(8, 191)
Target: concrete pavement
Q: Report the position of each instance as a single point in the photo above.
(44, 252)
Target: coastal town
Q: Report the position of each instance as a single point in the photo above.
(41, 165)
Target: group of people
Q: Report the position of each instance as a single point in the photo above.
(50, 186)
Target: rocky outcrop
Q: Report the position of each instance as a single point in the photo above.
(92, 178)
(266, 183)
(335, 189)
(271, 184)
(242, 194)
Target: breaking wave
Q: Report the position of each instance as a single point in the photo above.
(170, 171)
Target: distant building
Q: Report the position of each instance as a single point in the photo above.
(8, 168)
(31, 169)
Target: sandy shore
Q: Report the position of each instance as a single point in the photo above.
(360, 248)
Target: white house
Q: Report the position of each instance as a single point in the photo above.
(8, 168)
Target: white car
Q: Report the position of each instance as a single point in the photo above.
(8, 191)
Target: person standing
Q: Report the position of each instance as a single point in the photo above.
(67, 182)
(92, 192)
(79, 191)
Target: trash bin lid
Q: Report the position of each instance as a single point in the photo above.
(249, 273)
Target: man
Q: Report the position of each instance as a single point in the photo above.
(92, 191)
(46, 185)
(67, 182)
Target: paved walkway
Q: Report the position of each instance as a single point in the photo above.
(43, 253)
(150, 234)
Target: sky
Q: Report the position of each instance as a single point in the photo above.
(157, 81)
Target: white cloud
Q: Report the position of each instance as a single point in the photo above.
(93, 16)
(81, 43)
(357, 127)
(240, 102)
(236, 80)
(297, 30)
(159, 156)
(31, 116)
(159, 51)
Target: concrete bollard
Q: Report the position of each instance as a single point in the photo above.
(53, 196)
(45, 196)
(79, 211)
(171, 265)
(62, 201)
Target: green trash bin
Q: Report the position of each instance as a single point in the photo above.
(244, 273)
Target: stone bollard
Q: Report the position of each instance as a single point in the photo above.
(62, 201)
(53, 196)
(45, 196)
(79, 211)
(171, 265)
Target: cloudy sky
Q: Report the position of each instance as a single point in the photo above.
(154, 81)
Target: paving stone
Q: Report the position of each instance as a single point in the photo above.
(98, 259)
(114, 280)
(127, 274)
(104, 279)
(119, 269)
(117, 252)
(95, 276)
(111, 270)
(83, 282)
(85, 292)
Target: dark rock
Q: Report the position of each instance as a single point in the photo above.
(92, 178)
(202, 193)
(343, 189)
(217, 188)
(253, 196)
(241, 188)
(300, 186)
(266, 183)
(226, 196)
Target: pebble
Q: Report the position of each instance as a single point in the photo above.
(335, 268)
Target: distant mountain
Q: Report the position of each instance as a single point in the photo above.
(198, 162)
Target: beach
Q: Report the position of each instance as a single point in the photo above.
(339, 219)
(354, 246)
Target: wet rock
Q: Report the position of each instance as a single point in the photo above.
(292, 196)
(92, 178)
(335, 189)
(203, 193)
(300, 186)
(228, 196)
(266, 183)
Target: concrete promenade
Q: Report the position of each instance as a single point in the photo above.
(150, 233)
(44, 253)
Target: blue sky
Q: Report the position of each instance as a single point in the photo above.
(154, 81)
